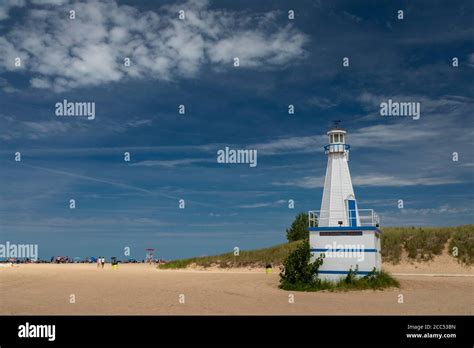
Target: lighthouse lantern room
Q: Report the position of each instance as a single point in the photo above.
(348, 237)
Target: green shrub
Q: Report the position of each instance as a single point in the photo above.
(351, 275)
(299, 228)
(297, 270)
(375, 280)
(372, 275)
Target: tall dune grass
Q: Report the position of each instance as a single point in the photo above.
(423, 243)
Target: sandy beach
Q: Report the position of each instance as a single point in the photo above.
(136, 289)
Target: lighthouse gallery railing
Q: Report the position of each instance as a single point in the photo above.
(367, 217)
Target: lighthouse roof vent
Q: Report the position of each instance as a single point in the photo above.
(336, 128)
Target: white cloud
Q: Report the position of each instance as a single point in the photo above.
(171, 163)
(441, 113)
(255, 49)
(91, 221)
(470, 60)
(14, 129)
(47, 127)
(390, 135)
(375, 180)
(322, 103)
(139, 123)
(6, 86)
(307, 182)
(392, 181)
(382, 136)
(290, 144)
(39, 129)
(62, 53)
(40, 83)
(442, 210)
(262, 204)
(49, 2)
(94, 179)
(6, 5)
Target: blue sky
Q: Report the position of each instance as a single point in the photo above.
(173, 156)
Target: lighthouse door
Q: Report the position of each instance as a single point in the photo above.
(351, 205)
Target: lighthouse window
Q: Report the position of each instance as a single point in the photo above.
(336, 138)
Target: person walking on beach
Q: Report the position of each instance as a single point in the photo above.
(102, 261)
(98, 262)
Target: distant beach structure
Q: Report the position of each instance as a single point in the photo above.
(348, 237)
(149, 258)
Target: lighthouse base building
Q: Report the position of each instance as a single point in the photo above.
(348, 237)
(345, 248)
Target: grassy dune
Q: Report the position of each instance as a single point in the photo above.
(423, 243)
(255, 258)
(420, 244)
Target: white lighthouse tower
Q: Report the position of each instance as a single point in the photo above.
(348, 237)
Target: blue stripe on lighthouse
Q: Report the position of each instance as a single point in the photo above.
(343, 272)
(345, 228)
